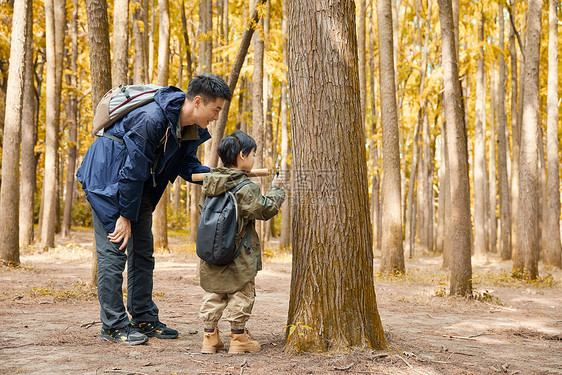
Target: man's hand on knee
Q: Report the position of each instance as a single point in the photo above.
(122, 232)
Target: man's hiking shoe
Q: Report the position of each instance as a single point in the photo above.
(125, 335)
(155, 329)
(241, 343)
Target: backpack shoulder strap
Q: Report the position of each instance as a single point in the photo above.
(239, 186)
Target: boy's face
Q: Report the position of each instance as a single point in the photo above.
(203, 113)
(246, 162)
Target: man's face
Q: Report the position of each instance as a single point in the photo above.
(205, 113)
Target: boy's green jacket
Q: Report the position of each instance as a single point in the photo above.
(252, 205)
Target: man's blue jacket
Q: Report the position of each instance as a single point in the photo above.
(117, 176)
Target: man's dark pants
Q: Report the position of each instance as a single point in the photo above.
(111, 264)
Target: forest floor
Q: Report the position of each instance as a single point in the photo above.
(50, 321)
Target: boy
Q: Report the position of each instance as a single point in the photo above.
(232, 286)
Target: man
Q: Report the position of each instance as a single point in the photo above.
(124, 175)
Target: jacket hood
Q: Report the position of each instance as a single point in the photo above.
(222, 179)
(170, 99)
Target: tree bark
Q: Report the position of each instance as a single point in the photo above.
(120, 42)
(480, 243)
(458, 234)
(503, 151)
(55, 13)
(362, 56)
(9, 191)
(72, 117)
(28, 142)
(553, 249)
(392, 251)
(160, 219)
(332, 304)
(528, 241)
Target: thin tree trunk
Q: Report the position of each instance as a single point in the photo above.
(139, 72)
(503, 151)
(285, 239)
(186, 40)
(492, 221)
(55, 45)
(120, 42)
(392, 251)
(553, 249)
(72, 117)
(517, 256)
(427, 225)
(480, 243)
(205, 42)
(528, 241)
(340, 311)
(28, 142)
(411, 214)
(9, 191)
(148, 38)
(375, 184)
(100, 69)
(160, 220)
(458, 234)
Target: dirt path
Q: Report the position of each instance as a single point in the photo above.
(46, 305)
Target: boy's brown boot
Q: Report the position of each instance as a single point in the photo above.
(241, 343)
(212, 342)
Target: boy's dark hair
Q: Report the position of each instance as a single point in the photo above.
(208, 87)
(231, 145)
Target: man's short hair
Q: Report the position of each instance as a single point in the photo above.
(232, 145)
(208, 87)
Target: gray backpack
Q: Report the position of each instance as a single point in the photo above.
(119, 101)
(218, 227)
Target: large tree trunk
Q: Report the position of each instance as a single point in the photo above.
(480, 243)
(392, 251)
(528, 240)
(9, 191)
(503, 151)
(28, 141)
(120, 42)
(328, 311)
(55, 16)
(100, 69)
(160, 220)
(458, 233)
(553, 249)
(72, 117)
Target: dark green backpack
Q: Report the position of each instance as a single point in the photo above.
(218, 228)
